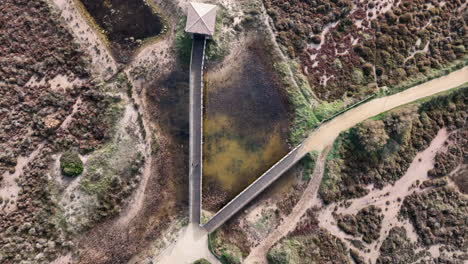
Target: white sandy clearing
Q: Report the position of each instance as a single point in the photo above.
(63, 260)
(191, 245)
(58, 83)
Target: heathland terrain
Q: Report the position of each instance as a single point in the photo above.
(94, 132)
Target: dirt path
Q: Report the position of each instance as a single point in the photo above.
(10, 189)
(258, 254)
(326, 134)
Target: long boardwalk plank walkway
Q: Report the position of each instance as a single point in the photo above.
(196, 127)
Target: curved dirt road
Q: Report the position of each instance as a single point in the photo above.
(326, 134)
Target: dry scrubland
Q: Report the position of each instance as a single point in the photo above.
(52, 104)
(49, 105)
(379, 151)
(352, 48)
(430, 225)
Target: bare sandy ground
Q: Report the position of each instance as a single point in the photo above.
(309, 197)
(59, 82)
(9, 189)
(191, 245)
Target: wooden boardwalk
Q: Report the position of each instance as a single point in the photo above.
(196, 127)
(196, 155)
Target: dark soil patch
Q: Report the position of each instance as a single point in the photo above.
(166, 193)
(126, 23)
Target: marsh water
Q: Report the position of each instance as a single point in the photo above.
(245, 126)
(126, 23)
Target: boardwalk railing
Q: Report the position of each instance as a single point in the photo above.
(196, 127)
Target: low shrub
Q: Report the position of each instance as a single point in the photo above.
(202, 261)
(71, 164)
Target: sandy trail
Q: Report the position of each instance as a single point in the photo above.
(191, 245)
(406, 185)
(105, 67)
(326, 134)
(9, 189)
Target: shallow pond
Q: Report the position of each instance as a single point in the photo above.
(126, 23)
(245, 126)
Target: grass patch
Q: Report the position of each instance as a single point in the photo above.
(304, 118)
(202, 261)
(327, 110)
(330, 181)
(218, 48)
(226, 253)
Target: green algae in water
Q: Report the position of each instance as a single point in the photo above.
(232, 160)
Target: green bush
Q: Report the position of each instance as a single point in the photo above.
(229, 259)
(202, 261)
(71, 164)
(277, 257)
(183, 43)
